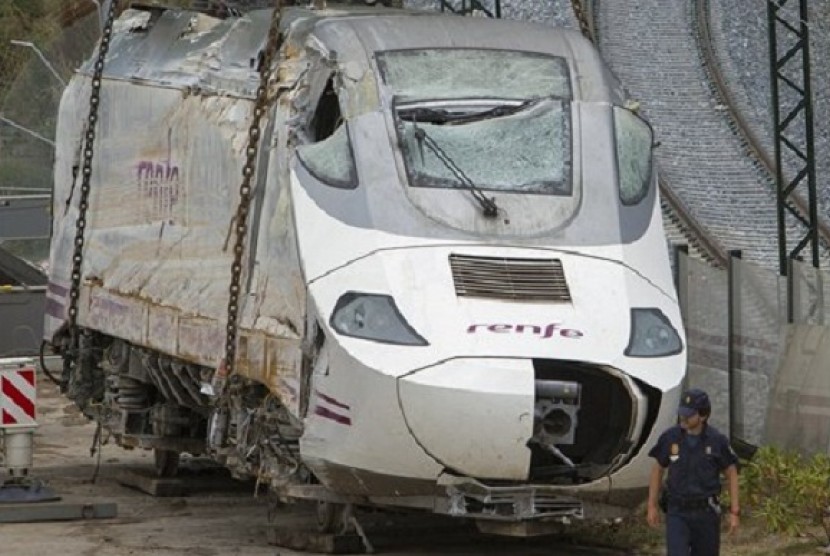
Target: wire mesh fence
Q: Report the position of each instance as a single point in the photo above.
(761, 349)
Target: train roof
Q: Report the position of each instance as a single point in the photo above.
(193, 51)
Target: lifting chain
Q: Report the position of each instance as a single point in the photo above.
(70, 353)
(240, 220)
(582, 11)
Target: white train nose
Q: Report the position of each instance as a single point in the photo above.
(475, 416)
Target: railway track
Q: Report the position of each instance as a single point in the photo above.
(753, 146)
(681, 227)
(708, 159)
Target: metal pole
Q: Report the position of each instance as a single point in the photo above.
(29, 44)
(790, 291)
(809, 130)
(733, 314)
(34, 134)
(25, 189)
(681, 281)
(100, 15)
(776, 119)
(787, 131)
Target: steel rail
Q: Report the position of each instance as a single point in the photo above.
(739, 125)
(696, 235)
(673, 209)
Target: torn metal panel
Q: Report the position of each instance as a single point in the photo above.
(201, 340)
(162, 328)
(159, 215)
(101, 309)
(185, 50)
(168, 166)
(251, 355)
(283, 364)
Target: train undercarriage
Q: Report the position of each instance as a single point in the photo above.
(149, 400)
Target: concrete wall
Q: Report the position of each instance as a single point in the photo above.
(799, 412)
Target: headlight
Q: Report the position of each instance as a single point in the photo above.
(373, 317)
(652, 335)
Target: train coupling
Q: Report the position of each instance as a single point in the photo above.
(466, 497)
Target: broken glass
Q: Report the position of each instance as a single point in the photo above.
(634, 142)
(331, 160)
(528, 152)
(472, 73)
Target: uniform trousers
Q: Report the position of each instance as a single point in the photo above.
(692, 532)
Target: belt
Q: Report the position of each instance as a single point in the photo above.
(694, 503)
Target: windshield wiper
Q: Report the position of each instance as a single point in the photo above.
(495, 112)
(488, 205)
(443, 116)
(424, 114)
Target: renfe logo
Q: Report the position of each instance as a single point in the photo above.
(552, 329)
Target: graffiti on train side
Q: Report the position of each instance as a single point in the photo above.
(160, 187)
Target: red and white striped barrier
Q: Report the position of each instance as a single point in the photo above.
(17, 394)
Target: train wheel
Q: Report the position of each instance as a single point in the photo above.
(332, 517)
(166, 462)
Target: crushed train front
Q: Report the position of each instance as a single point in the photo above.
(487, 264)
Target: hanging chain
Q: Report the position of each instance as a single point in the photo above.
(70, 354)
(582, 13)
(248, 171)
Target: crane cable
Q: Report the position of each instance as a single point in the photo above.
(70, 352)
(240, 220)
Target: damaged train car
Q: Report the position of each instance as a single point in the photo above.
(455, 289)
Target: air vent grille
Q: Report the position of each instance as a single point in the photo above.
(514, 279)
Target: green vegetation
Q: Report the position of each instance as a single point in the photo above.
(20, 19)
(785, 499)
(787, 492)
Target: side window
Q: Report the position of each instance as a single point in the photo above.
(329, 156)
(327, 117)
(634, 148)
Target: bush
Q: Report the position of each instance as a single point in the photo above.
(787, 491)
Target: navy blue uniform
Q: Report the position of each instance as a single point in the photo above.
(694, 464)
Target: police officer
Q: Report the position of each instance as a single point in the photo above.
(695, 453)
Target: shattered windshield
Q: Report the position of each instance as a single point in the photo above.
(525, 152)
(473, 73)
(505, 125)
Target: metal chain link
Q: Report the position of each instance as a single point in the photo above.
(582, 13)
(83, 203)
(248, 172)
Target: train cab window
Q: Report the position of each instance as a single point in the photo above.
(329, 157)
(634, 147)
(327, 117)
(505, 127)
(519, 147)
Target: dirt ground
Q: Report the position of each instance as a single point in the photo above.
(220, 520)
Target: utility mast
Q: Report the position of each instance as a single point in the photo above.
(792, 105)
